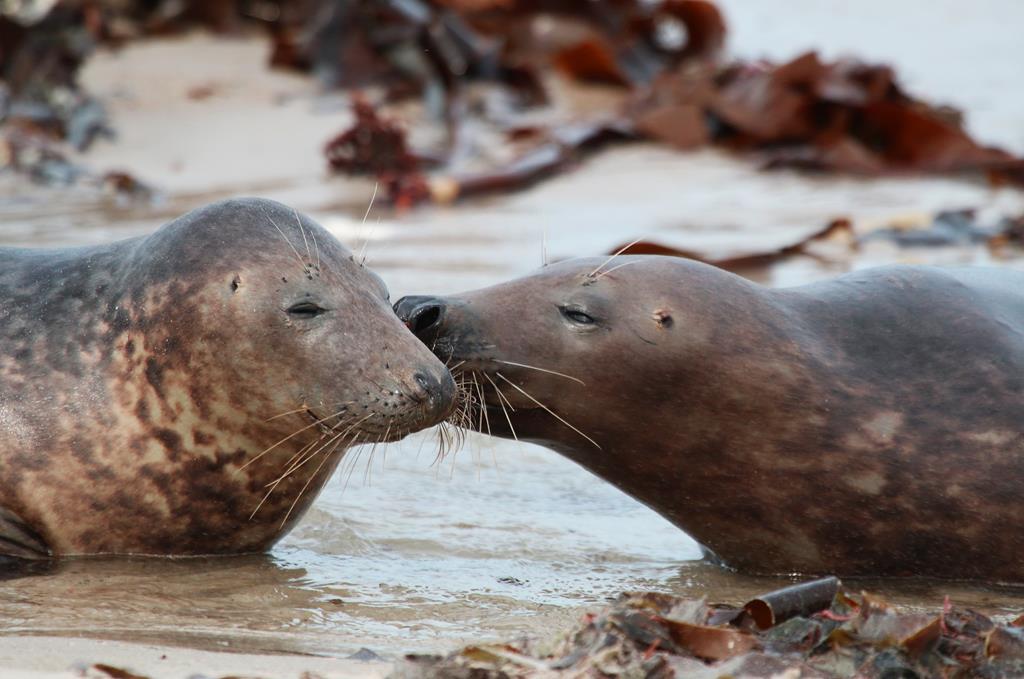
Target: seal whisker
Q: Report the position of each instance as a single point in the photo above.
(444, 444)
(302, 451)
(486, 417)
(483, 406)
(301, 462)
(286, 240)
(287, 412)
(615, 268)
(366, 240)
(289, 437)
(543, 370)
(384, 451)
(467, 401)
(549, 410)
(308, 481)
(273, 485)
(464, 415)
(303, 232)
(296, 461)
(368, 470)
(612, 258)
(286, 438)
(501, 394)
(352, 466)
(501, 399)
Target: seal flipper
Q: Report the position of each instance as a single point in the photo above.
(712, 558)
(17, 538)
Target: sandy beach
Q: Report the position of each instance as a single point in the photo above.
(66, 658)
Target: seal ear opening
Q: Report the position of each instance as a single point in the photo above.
(236, 283)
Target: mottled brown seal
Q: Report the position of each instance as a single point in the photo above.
(155, 390)
(872, 424)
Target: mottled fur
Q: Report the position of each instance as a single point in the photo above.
(873, 424)
(137, 379)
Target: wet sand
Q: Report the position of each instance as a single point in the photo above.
(400, 554)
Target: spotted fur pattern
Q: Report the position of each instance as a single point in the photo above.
(138, 379)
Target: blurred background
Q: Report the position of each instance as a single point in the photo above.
(451, 138)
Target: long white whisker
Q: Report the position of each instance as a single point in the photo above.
(352, 467)
(617, 253)
(501, 400)
(366, 240)
(271, 220)
(312, 476)
(549, 410)
(303, 232)
(543, 370)
(290, 436)
(289, 412)
(614, 268)
(483, 406)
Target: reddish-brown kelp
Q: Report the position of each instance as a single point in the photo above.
(659, 635)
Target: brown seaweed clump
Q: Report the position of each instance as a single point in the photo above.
(812, 630)
(665, 60)
(491, 65)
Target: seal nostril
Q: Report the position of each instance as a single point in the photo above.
(436, 391)
(424, 318)
(426, 384)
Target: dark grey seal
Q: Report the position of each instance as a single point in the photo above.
(872, 424)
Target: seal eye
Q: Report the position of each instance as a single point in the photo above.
(577, 316)
(305, 310)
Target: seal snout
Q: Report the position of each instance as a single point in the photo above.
(436, 391)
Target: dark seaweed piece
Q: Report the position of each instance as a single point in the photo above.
(738, 263)
(559, 150)
(711, 643)
(802, 599)
(116, 672)
(372, 145)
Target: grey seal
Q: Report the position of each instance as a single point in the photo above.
(189, 392)
(872, 424)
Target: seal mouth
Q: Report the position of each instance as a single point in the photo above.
(320, 422)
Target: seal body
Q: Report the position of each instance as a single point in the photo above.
(872, 424)
(190, 391)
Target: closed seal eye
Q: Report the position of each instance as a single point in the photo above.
(577, 315)
(306, 310)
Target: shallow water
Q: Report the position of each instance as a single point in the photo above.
(500, 539)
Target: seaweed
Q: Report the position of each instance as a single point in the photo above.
(816, 630)
(663, 58)
(666, 60)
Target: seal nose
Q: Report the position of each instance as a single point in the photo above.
(437, 390)
(422, 315)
